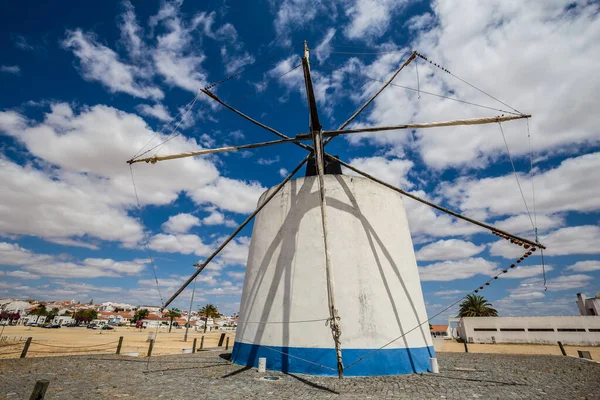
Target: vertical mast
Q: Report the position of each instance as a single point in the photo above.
(316, 133)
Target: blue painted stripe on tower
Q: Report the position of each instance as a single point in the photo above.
(394, 361)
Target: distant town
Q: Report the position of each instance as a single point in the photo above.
(55, 314)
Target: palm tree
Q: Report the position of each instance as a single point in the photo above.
(140, 314)
(209, 311)
(172, 314)
(476, 306)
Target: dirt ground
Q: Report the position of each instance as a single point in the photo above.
(452, 346)
(48, 342)
(78, 340)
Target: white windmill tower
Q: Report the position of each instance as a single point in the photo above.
(331, 257)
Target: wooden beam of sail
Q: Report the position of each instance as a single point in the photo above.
(386, 84)
(155, 159)
(315, 130)
(456, 122)
(437, 207)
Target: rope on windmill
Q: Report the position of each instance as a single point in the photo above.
(516, 176)
(418, 90)
(387, 83)
(465, 82)
(190, 105)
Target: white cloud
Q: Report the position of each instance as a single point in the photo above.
(291, 14)
(157, 111)
(584, 266)
(180, 223)
(420, 22)
(131, 32)
(182, 243)
(86, 187)
(505, 48)
(526, 296)
(176, 57)
(526, 271)
(101, 64)
(324, 48)
(216, 218)
(393, 171)
(237, 275)
(267, 161)
(13, 254)
(10, 69)
(21, 275)
(235, 61)
(20, 42)
(283, 172)
(425, 222)
(72, 242)
(451, 249)
(522, 224)
(230, 195)
(34, 265)
(560, 283)
(236, 252)
(449, 292)
(460, 269)
(61, 209)
(568, 187)
(369, 19)
(584, 239)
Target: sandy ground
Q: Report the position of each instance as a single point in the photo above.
(47, 342)
(452, 346)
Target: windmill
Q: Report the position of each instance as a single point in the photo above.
(318, 252)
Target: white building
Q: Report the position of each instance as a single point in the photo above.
(574, 330)
(63, 320)
(588, 306)
(110, 307)
(14, 306)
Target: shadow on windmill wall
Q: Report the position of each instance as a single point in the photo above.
(277, 304)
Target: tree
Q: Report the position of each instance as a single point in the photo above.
(172, 314)
(85, 315)
(209, 311)
(52, 313)
(39, 310)
(476, 306)
(140, 314)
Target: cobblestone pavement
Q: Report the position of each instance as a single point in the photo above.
(210, 375)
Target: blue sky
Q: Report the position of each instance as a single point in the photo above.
(85, 85)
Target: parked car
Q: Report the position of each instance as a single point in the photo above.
(54, 326)
(92, 326)
(32, 324)
(71, 325)
(106, 328)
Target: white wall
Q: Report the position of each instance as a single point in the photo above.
(470, 328)
(378, 291)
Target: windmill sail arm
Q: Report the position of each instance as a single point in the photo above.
(241, 114)
(437, 207)
(386, 84)
(155, 159)
(456, 122)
